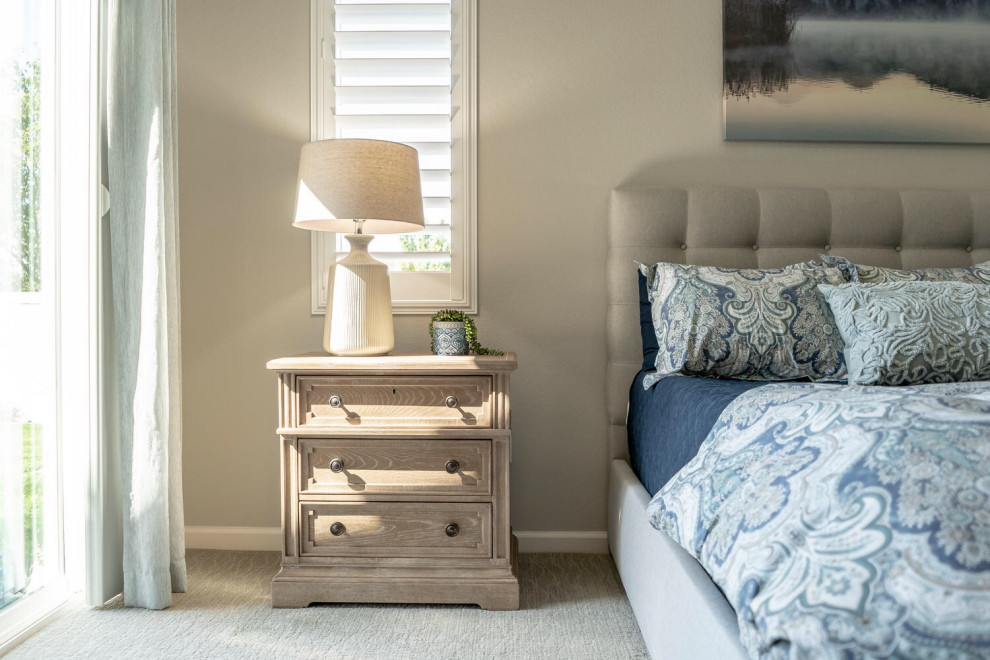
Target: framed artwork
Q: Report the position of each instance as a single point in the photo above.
(857, 70)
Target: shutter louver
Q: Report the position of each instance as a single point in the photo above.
(392, 81)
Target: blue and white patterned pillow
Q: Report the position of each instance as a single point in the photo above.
(978, 274)
(907, 333)
(752, 324)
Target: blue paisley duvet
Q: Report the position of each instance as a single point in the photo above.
(845, 521)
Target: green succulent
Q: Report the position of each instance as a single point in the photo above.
(470, 331)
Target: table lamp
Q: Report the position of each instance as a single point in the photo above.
(361, 187)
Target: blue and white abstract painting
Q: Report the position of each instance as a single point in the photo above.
(857, 70)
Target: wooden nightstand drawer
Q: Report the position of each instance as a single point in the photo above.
(368, 466)
(393, 529)
(398, 401)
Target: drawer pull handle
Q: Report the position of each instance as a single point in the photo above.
(451, 401)
(452, 467)
(336, 465)
(337, 528)
(452, 530)
(335, 401)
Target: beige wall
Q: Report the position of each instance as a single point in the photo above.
(577, 97)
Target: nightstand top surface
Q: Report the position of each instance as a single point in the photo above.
(395, 361)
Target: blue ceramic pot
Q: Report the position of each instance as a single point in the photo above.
(449, 338)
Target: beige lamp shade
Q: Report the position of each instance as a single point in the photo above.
(345, 181)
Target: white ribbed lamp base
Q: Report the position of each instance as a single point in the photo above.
(359, 304)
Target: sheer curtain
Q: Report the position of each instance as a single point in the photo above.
(141, 130)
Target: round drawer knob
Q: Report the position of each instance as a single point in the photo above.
(337, 528)
(451, 401)
(336, 465)
(335, 401)
(452, 467)
(451, 530)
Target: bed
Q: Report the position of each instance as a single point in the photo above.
(681, 612)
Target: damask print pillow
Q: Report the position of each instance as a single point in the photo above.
(751, 324)
(908, 333)
(978, 274)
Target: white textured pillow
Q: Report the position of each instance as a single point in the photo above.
(906, 333)
(978, 274)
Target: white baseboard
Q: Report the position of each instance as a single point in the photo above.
(270, 538)
(589, 542)
(234, 538)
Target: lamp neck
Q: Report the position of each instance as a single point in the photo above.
(359, 256)
(359, 242)
(359, 226)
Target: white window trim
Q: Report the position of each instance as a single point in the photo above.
(464, 202)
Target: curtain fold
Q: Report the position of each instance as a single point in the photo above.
(142, 173)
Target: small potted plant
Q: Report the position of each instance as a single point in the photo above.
(454, 333)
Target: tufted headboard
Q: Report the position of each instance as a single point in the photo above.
(767, 228)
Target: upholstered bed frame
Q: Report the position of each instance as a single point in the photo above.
(680, 611)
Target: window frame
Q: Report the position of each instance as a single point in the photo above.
(70, 203)
(462, 281)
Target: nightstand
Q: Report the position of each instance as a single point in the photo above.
(395, 480)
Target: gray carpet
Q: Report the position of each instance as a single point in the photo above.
(573, 606)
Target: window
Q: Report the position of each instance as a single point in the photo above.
(46, 246)
(405, 71)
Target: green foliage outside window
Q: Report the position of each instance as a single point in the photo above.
(33, 500)
(31, 447)
(424, 243)
(25, 248)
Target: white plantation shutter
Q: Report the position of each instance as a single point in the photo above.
(404, 71)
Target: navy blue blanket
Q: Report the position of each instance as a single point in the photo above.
(668, 422)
